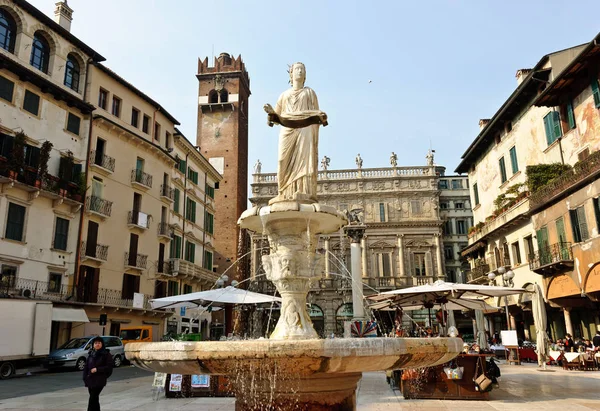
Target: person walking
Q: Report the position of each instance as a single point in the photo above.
(98, 368)
(596, 341)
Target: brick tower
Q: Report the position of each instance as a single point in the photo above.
(223, 93)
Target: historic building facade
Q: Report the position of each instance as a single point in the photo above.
(402, 245)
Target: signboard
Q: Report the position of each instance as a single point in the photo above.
(175, 384)
(509, 338)
(138, 300)
(200, 381)
(159, 379)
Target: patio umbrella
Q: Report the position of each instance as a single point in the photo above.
(227, 295)
(539, 317)
(451, 320)
(452, 304)
(481, 337)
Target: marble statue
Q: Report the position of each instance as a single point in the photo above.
(394, 159)
(297, 111)
(325, 163)
(358, 161)
(429, 157)
(257, 167)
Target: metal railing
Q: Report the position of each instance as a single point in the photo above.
(99, 251)
(98, 205)
(167, 192)
(551, 254)
(102, 160)
(35, 289)
(111, 297)
(138, 176)
(136, 260)
(138, 218)
(479, 271)
(164, 267)
(164, 230)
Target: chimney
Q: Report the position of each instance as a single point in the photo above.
(63, 15)
(521, 74)
(483, 122)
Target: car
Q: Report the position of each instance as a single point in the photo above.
(74, 352)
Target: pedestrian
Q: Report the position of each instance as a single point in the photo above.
(98, 368)
(596, 341)
(569, 344)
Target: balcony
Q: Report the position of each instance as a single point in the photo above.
(164, 268)
(111, 298)
(136, 261)
(98, 252)
(98, 206)
(553, 259)
(164, 230)
(479, 272)
(167, 193)
(102, 163)
(141, 179)
(37, 290)
(512, 217)
(192, 271)
(137, 219)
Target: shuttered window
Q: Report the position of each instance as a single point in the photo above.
(15, 222)
(190, 251)
(31, 102)
(61, 233)
(513, 160)
(176, 194)
(579, 224)
(596, 92)
(502, 170)
(552, 127)
(570, 115)
(7, 89)
(175, 251)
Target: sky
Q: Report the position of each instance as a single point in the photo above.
(391, 75)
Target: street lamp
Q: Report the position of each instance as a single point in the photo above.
(507, 281)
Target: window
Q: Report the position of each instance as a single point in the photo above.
(383, 264)
(7, 89)
(190, 210)
(513, 160)
(135, 117)
(224, 96)
(175, 251)
(596, 92)
(8, 31)
(516, 250)
(173, 288)
(579, 224)
(210, 191)
(552, 127)
(382, 212)
(502, 170)
(448, 253)
(102, 98)
(415, 206)
(597, 212)
(73, 123)
(443, 184)
(72, 73)
(131, 285)
(8, 276)
(508, 127)
(15, 222)
(116, 107)
(213, 97)
(419, 266)
(529, 247)
(167, 140)
(54, 282)
(456, 184)
(61, 234)
(31, 102)
(447, 228)
(190, 251)
(187, 289)
(146, 124)
(208, 260)
(157, 131)
(476, 194)
(209, 222)
(459, 205)
(192, 175)
(444, 206)
(176, 194)
(461, 227)
(40, 53)
(570, 115)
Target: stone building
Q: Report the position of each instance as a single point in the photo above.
(402, 245)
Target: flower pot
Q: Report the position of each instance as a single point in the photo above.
(62, 192)
(38, 183)
(12, 174)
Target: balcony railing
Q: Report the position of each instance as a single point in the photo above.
(167, 192)
(183, 267)
(164, 267)
(479, 272)
(138, 261)
(349, 174)
(96, 252)
(164, 230)
(98, 205)
(138, 219)
(34, 289)
(102, 160)
(111, 297)
(139, 177)
(552, 259)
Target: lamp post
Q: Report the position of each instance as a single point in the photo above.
(507, 281)
(222, 282)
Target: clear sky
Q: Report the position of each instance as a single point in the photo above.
(391, 75)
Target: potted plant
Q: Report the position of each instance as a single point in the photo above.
(16, 161)
(42, 173)
(80, 189)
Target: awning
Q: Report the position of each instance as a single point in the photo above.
(76, 315)
(476, 246)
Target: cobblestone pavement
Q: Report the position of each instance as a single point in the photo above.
(521, 388)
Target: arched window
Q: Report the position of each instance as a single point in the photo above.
(72, 73)
(8, 31)
(344, 313)
(40, 53)
(224, 96)
(213, 97)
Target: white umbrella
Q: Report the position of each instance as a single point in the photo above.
(452, 304)
(480, 323)
(227, 295)
(539, 317)
(451, 320)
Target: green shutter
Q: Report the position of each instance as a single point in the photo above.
(176, 247)
(513, 160)
(15, 222)
(596, 92)
(570, 115)
(176, 201)
(548, 128)
(7, 89)
(583, 230)
(502, 170)
(556, 125)
(476, 194)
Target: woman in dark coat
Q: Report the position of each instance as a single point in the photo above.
(98, 368)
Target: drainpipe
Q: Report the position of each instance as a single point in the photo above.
(204, 219)
(86, 173)
(184, 215)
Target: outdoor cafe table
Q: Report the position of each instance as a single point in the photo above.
(555, 355)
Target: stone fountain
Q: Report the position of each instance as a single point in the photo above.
(294, 369)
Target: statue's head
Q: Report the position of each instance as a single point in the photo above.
(297, 72)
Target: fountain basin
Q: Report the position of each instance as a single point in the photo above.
(301, 374)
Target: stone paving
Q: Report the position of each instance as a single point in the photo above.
(521, 388)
